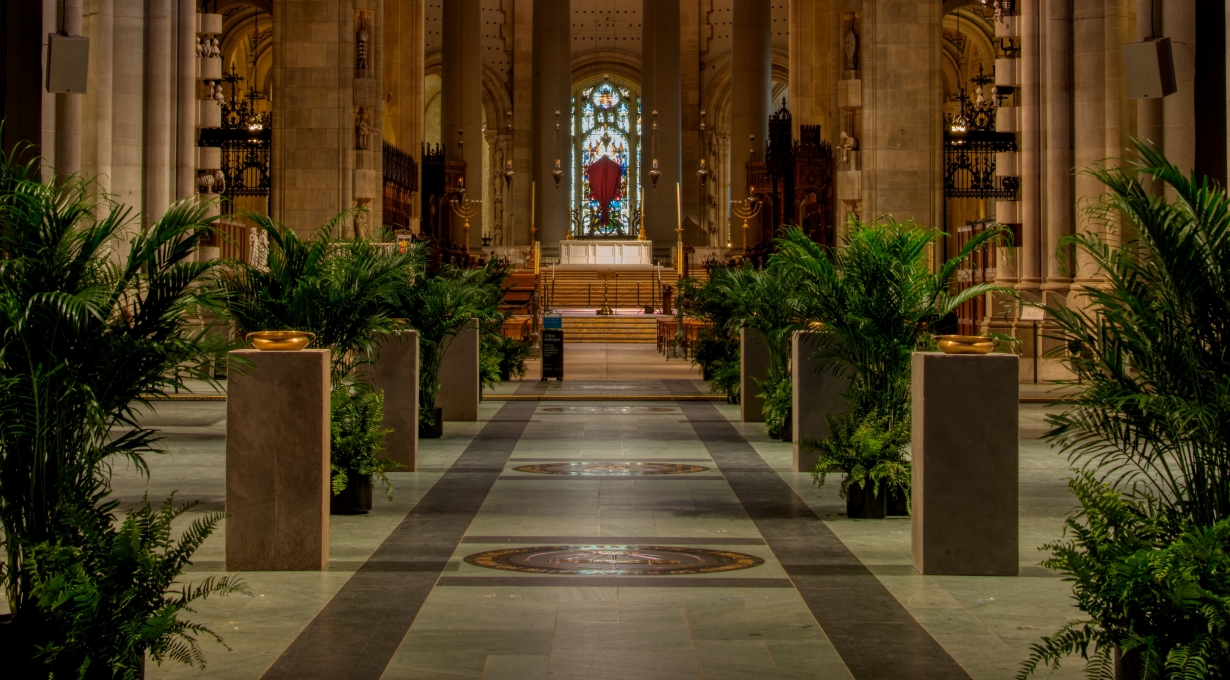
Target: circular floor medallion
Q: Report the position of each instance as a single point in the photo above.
(612, 386)
(610, 410)
(610, 469)
(614, 560)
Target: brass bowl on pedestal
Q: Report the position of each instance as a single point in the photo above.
(280, 341)
(965, 344)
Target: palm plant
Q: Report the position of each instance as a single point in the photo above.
(1148, 429)
(764, 301)
(717, 351)
(879, 302)
(86, 339)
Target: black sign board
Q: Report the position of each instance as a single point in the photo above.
(552, 354)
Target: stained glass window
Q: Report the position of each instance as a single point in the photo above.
(606, 122)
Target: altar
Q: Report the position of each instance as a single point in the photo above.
(598, 252)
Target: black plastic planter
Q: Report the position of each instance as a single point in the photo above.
(787, 431)
(432, 427)
(355, 499)
(897, 504)
(862, 504)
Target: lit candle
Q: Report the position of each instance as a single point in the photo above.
(533, 198)
(679, 208)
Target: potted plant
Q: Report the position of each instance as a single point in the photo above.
(342, 290)
(717, 350)
(879, 302)
(355, 440)
(438, 305)
(89, 331)
(1148, 431)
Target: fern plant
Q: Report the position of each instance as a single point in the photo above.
(356, 437)
(717, 351)
(96, 317)
(870, 451)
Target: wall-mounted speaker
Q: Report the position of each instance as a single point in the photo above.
(68, 63)
(1149, 69)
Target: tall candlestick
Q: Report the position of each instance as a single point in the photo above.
(533, 212)
(679, 208)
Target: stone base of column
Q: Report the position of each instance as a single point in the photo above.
(815, 394)
(459, 378)
(396, 374)
(277, 462)
(753, 366)
(965, 459)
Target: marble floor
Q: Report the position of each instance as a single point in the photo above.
(829, 597)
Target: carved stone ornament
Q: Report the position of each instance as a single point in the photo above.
(848, 143)
(362, 45)
(363, 129)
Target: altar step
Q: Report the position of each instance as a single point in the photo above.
(615, 329)
(577, 287)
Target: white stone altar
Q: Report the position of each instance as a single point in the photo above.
(606, 252)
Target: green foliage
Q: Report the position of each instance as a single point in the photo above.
(1153, 366)
(1153, 583)
(87, 335)
(717, 351)
(355, 436)
(777, 397)
(872, 448)
(879, 302)
(511, 355)
(727, 378)
(340, 289)
(111, 597)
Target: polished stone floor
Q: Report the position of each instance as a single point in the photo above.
(833, 598)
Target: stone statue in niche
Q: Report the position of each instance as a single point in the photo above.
(363, 129)
(850, 43)
(849, 143)
(361, 45)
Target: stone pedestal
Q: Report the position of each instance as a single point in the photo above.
(815, 394)
(277, 462)
(396, 373)
(965, 458)
(459, 388)
(753, 366)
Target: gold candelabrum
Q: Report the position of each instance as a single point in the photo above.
(466, 208)
(606, 281)
(746, 210)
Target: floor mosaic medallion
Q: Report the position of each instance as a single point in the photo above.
(609, 410)
(614, 560)
(610, 469)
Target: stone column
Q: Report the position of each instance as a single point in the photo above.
(365, 66)
(1148, 111)
(902, 115)
(461, 109)
(812, 72)
(753, 366)
(96, 136)
(965, 464)
(68, 106)
(460, 391)
(1089, 113)
(689, 78)
(1029, 255)
(405, 40)
(185, 100)
(751, 85)
(660, 92)
(1058, 143)
(128, 106)
(1179, 109)
(815, 394)
(277, 462)
(552, 91)
(316, 125)
(24, 87)
(158, 131)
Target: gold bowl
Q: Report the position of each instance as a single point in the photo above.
(965, 344)
(280, 341)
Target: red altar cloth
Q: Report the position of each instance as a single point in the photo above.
(604, 180)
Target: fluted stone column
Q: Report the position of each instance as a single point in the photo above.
(158, 131)
(96, 116)
(461, 110)
(1057, 127)
(185, 99)
(68, 107)
(1029, 258)
(751, 84)
(1148, 111)
(660, 91)
(1179, 109)
(552, 91)
(690, 26)
(405, 42)
(128, 105)
(1089, 114)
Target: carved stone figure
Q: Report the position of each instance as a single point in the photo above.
(200, 48)
(848, 143)
(361, 45)
(363, 129)
(850, 43)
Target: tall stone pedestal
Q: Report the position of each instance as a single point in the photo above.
(753, 366)
(396, 373)
(815, 394)
(459, 387)
(965, 456)
(277, 462)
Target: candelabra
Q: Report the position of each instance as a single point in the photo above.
(746, 210)
(466, 208)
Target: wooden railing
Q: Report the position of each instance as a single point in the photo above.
(979, 268)
(668, 329)
(233, 238)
